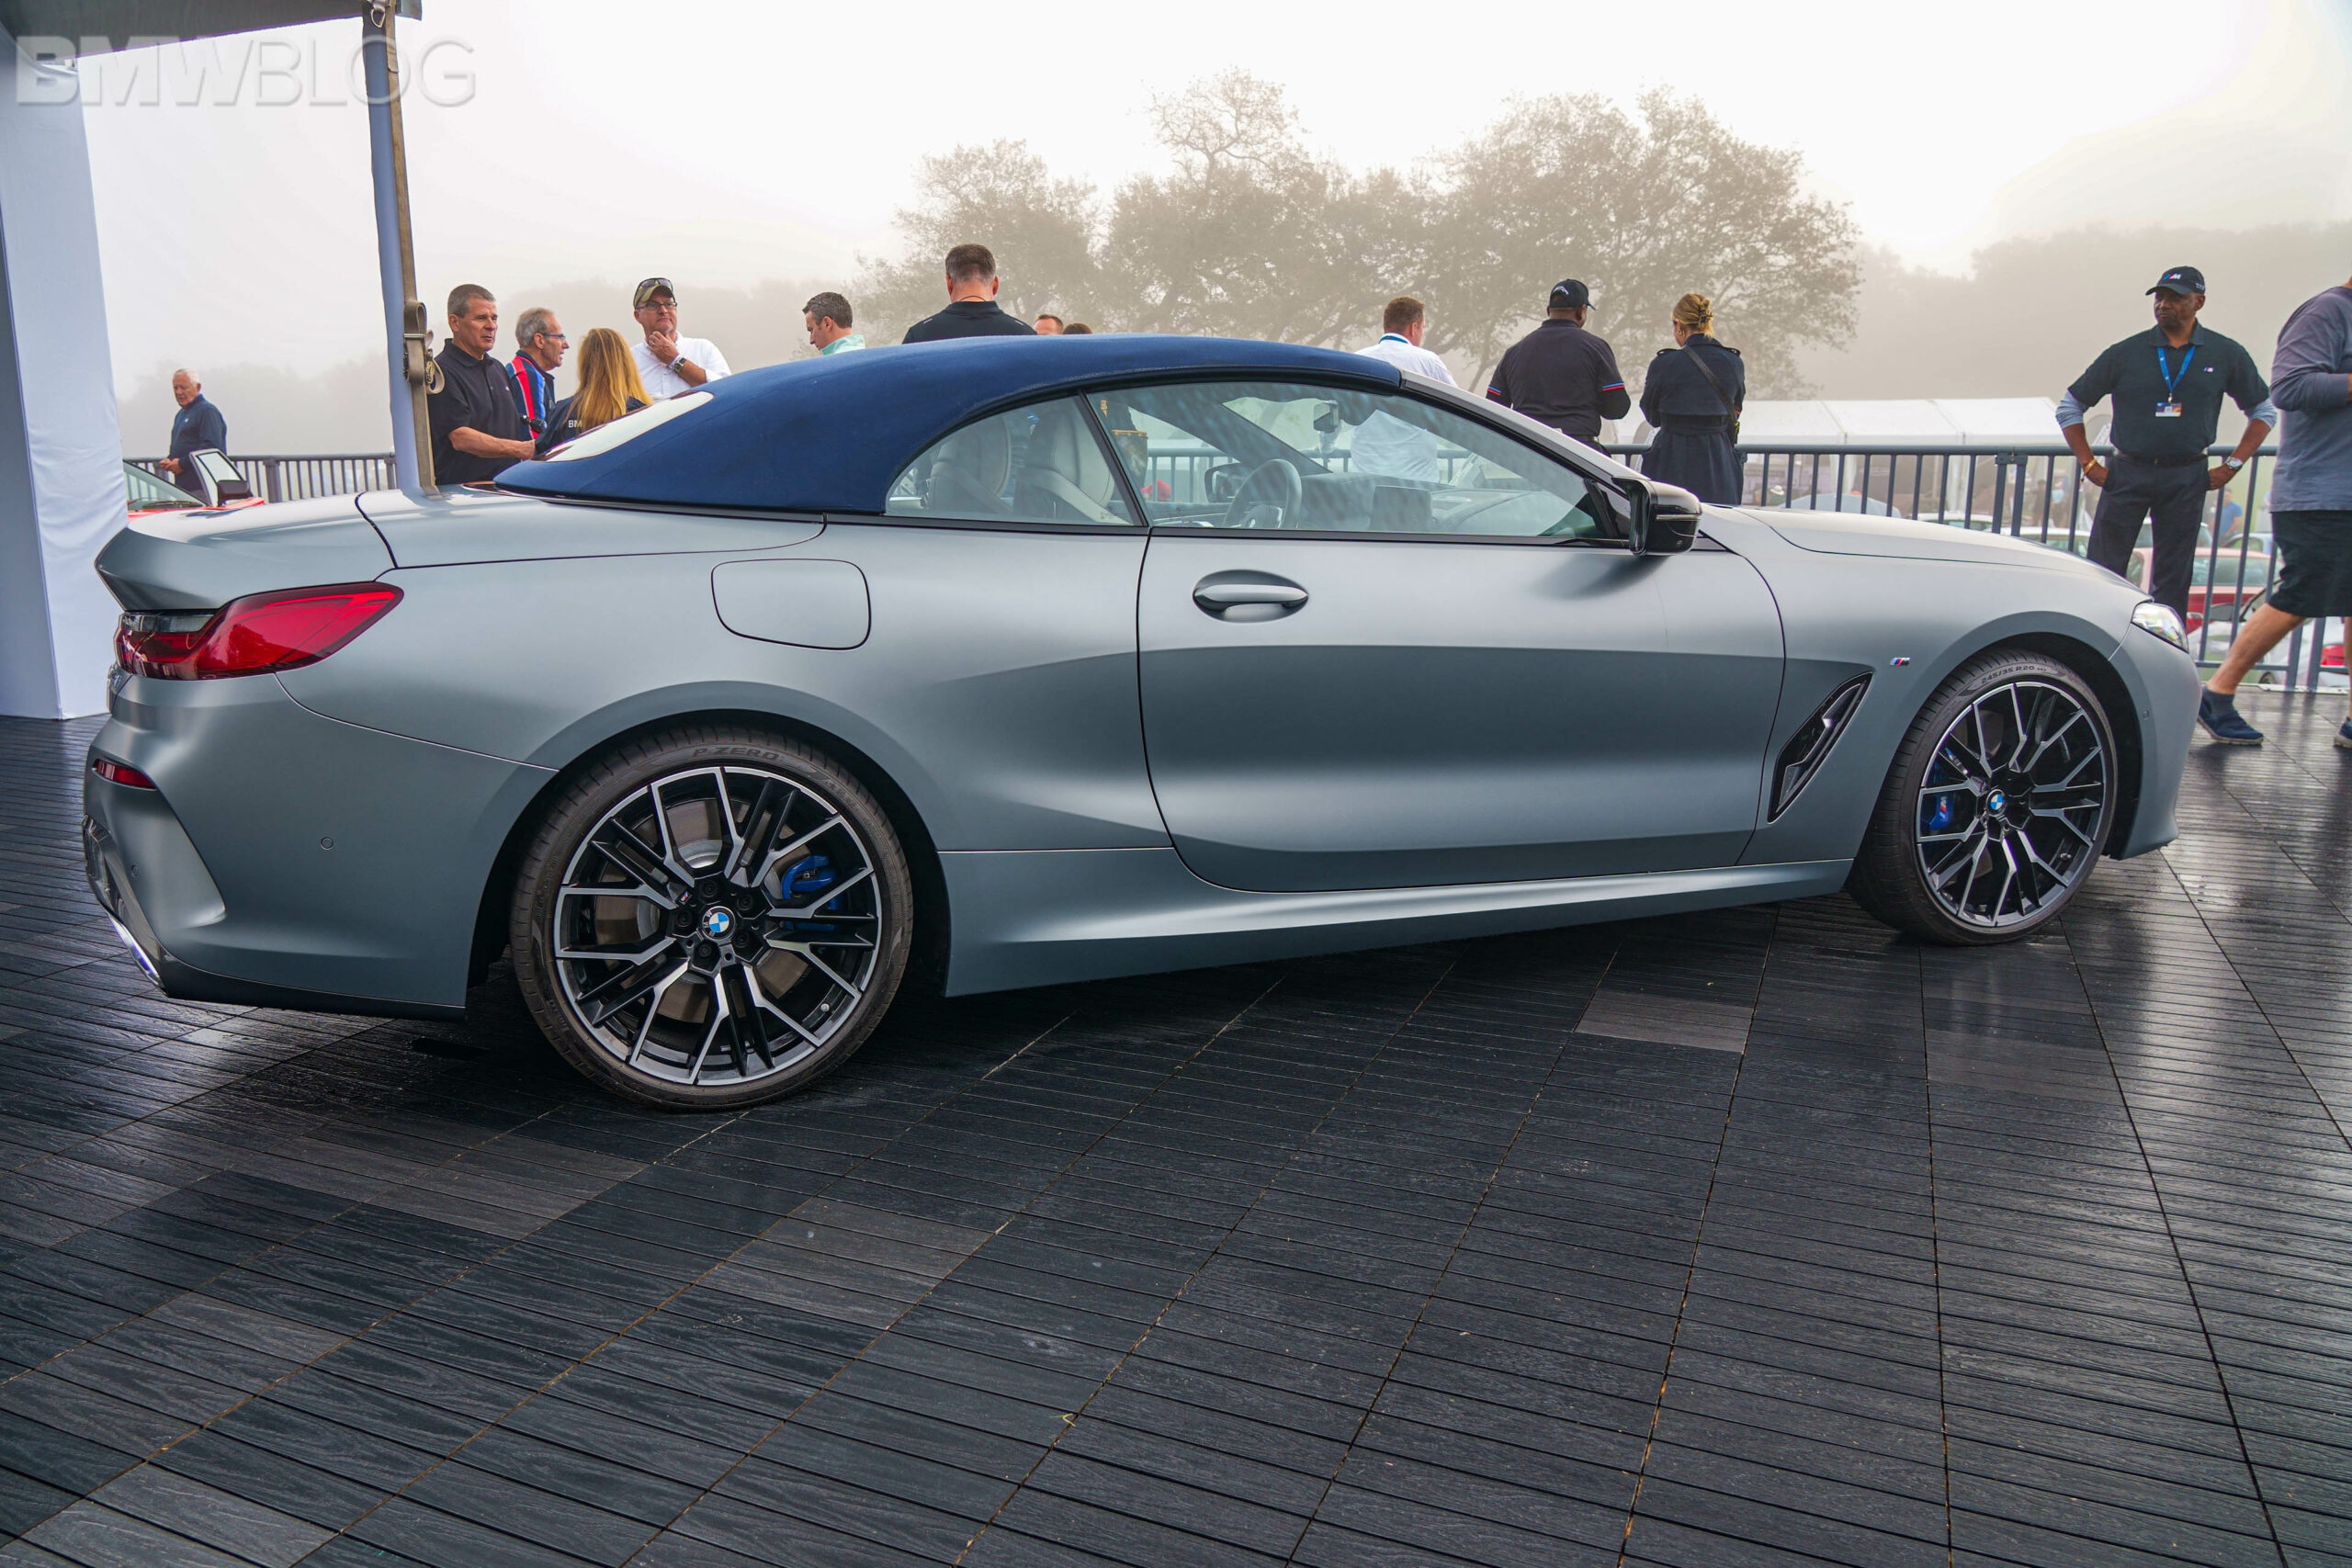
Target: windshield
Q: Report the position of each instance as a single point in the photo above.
(148, 494)
(628, 427)
(1286, 455)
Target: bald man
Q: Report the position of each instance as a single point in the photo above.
(197, 425)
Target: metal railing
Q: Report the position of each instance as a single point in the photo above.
(303, 478)
(2028, 492)
(2038, 493)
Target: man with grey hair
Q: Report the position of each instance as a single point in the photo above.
(197, 427)
(972, 309)
(477, 433)
(540, 337)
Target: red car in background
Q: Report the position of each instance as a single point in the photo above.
(226, 489)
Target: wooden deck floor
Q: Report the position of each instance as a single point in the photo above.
(1758, 1237)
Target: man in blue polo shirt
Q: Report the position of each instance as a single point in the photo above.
(2167, 384)
(197, 427)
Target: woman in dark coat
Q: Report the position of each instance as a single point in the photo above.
(1690, 417)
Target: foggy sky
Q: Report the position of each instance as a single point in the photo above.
(723, 142)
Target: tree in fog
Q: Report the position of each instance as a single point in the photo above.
(1644, 209)
(1044, 233)
(1251, 233)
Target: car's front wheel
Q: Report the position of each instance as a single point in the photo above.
(710, 918)
(1997, 804)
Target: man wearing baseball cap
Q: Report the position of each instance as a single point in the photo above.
(2167, 384)
(667, 363)
(1560, 373)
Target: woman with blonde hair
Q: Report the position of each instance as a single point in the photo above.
(609, 388)
(1691, 398)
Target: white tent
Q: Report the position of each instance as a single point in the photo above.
(1893, 421)
(1968, 489)
(61, 460)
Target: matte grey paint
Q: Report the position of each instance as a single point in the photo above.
(808, 603)
(1443, 713)
(200, 561)
(1580, 735)
(458, 527)
(259, 787)
(1089, 914)
(997, 687)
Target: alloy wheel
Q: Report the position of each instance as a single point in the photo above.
(2014, 805)
(717, 926)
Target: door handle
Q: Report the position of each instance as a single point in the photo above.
(1247, 595)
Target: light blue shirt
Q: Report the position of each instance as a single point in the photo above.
(848, 342)
(2309, 383)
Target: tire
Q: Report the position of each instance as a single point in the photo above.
(1997, 805)
(672, 927)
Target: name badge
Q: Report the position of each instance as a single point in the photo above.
(2167, 411)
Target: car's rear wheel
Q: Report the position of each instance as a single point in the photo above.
(711, 918)
(1997, 804)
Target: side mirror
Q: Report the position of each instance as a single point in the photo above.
(209, 474)
(1661, 519)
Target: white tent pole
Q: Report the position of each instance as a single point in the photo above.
(404, 332)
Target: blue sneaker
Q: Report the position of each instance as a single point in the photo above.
(2344, 735)
(2221, 721)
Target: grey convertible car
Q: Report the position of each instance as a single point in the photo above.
(1025, 660)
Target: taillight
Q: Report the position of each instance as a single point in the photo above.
(113, 771)
(280, 630)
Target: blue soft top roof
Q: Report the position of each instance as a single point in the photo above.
(830, 435)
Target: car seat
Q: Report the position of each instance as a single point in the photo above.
(1066, 478)
(967, 478)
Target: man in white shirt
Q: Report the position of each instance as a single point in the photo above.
(1386, 447)
(667, 363)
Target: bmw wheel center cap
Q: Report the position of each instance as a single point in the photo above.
(1997, 801)
(717, 923)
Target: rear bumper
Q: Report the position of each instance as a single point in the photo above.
(109, 875)
(290, 859)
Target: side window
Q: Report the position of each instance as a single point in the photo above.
(1277, 454)
(1038, 464)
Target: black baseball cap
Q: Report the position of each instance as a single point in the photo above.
(1569, 295)
(2180, 280)
(649, 289)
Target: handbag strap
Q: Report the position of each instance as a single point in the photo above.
(1720, 396)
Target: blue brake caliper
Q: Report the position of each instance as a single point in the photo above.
(1939, 814)
(804, 880)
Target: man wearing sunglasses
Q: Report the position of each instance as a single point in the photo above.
(540, 337)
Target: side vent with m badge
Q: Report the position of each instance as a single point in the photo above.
(1811, 745)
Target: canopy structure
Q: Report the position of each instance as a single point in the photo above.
(120, 21)
(62, 493)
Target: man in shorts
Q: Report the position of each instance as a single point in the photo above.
(2310, 503)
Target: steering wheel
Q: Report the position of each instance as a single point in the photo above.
(1267, 498)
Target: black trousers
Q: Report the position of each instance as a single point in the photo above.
(2175, 498)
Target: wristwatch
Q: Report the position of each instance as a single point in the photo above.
(675, 363)
(2233, 462)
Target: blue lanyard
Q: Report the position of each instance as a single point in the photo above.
(2171, 378)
